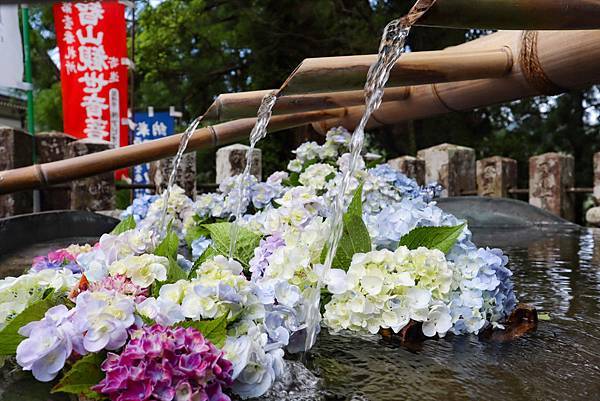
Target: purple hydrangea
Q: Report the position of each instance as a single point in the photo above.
(166, 363)
(259, 262)
(48, 345)
(56, 260)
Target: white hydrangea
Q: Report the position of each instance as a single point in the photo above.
(317, 175)
(17, 293)
(143, 270)
(385, 289)
(220, 288)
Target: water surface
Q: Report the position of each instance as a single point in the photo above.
(558, 271)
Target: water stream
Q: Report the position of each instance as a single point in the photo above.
(390, 50)
(259, 131)
(185, 138)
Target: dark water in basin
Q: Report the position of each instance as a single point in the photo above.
(558, 271)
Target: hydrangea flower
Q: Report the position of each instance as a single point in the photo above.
(121, 285)
(219, 288)
(267, 246)
(48, 344)
(387, 289)
(255, 368)
(101, 320)
(317, 175)
(139, 207)
(164, 363)
(17, 293)
(57, 260)
(143, 270)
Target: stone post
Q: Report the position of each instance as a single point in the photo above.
(550, 176)
(52, 146)
(452, 166)
(231, 161)
(186, 173)
(16, 150)
(93, 193)
(412, 167)
(495, 176)
(597, 177)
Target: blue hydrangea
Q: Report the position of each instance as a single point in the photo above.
(139, 207)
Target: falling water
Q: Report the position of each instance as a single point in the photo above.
(390, 49)
(185, 138)
(259, 131)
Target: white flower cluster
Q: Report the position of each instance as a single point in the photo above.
(112, 248)
(143, 270)
(384, 289)
(17, 293)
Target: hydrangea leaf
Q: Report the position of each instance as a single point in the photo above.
(211, 252)
(10, 337)
(442, 238)
(246, 243)
(168, 246)
(84, 374)
(213, 330)
(355, 237)
(194, 232)
(125, 225)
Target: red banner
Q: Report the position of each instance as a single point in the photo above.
(92, 38)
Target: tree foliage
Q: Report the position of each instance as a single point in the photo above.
(189, 51)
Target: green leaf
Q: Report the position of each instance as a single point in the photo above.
(10, 337)
(169, 246)
(246, 243)
(208, 254)
(214, 330)
(544, 317)
(125, 225)
(84, 374)
(355, 236)
(195, 232)
(174, 274)
(442, 238)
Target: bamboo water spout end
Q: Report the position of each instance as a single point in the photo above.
(514, 14)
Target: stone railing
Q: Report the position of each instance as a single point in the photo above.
(551, 175)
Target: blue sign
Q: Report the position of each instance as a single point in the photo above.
(149, 126)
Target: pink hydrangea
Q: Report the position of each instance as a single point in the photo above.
(166, 363)
(121, 285)
(55, 260)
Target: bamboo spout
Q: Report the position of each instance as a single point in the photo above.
(514, 14)
(244, 104)
(42, 175)
(549, 62)
(332, 74)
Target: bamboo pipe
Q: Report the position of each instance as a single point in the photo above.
(42, 175)
(244, 104)
(514, 14)
(333, 74)
(549, 62)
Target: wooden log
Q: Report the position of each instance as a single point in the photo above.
(333, 74)
(514, 14)
(548, 62)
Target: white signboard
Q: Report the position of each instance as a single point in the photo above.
(11, 50)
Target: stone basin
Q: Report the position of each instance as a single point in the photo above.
(556, 268)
